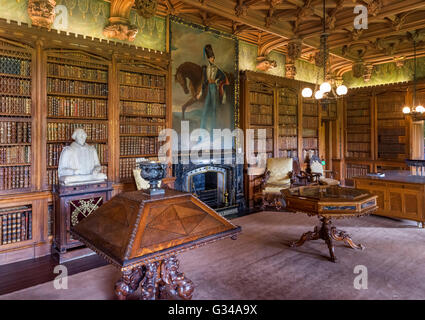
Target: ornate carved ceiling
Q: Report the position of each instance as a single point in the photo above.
(283, 24)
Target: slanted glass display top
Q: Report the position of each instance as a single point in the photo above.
(328, 192)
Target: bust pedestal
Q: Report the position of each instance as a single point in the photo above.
(72, 204)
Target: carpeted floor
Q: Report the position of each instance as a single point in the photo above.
(260, 265)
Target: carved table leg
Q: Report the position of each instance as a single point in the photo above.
(340, 235)
(173, 284)
(128, 283)
(150, 282)
(310, 235)
(326, 234)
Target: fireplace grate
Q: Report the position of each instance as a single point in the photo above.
(209, 197)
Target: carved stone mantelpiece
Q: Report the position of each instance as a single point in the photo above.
(42, 12)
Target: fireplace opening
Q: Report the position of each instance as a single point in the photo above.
(209, 185)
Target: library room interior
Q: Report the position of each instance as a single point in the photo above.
(212, 150)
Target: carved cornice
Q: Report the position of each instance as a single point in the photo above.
(119, 26)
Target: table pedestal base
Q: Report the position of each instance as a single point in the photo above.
(157, 280)
(327, 233)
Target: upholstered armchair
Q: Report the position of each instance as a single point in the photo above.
(318, 174)
(277, 176)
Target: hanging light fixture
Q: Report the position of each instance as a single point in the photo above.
(416, 109)
(325, 90)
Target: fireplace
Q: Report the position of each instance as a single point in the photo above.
(218, 185)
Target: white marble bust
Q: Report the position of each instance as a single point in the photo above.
(79, 163)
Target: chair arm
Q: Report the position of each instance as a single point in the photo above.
(264, 178)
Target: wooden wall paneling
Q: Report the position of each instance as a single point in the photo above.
(300, 128)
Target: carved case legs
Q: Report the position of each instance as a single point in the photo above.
(328, 234)
(157, 280)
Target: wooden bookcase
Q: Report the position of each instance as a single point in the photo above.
(77, 97)
(275, 104)
(376, 132)
(143, 113)
(310, 127)
(50, 84)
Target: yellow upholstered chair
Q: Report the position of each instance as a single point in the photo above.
(278, 175)
(318, 174)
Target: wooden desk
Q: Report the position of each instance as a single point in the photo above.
(400, 195)
(329, 202)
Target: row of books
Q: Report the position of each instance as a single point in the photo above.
(76, 107)
(310, 122)
(287, 131)
(288, 153)
(288, 100)
(138, 145)
(358, 104)
(392, 148)
(15, 132)
(391, 123)
(260, 98)
(261, 119)
(140, 129)
(54, 151)
(358, 113)
(126, 167)
(142, 108)
(286, 109)
(63, 70)
(310, 143)
(358, 155)
(390, 115)
(285, 120)
(268, 144)
(358, 137)
(307, 153)
(399, 131)
(268, 133)
(15, 86)
(15, 177)
(15, 154)
(15, 226)
(310, 109)
(64, 131)
(309, 133)
(15, 105)
(356, 170)
(390, 106)
(358, 120)
(288, 143)
(76, 87)
(137, 120)
(148, 80)
(363, 147)
(148, 94)
(15, 66)
(261, 109)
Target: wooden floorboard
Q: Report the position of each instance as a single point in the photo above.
(28, 273)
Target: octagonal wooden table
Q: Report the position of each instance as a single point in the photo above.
(327, 203)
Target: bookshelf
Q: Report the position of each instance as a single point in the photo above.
(15, 117)
(288, 122)
(15, 225)
(358, 128)
(392, 126)
(77, 97)
(142, 114)
(48, 88)
(310, 125)
(271, 103)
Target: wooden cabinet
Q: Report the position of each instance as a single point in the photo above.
(404, 200)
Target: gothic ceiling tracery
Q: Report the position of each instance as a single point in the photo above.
(278, 24)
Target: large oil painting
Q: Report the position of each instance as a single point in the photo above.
(205, 75)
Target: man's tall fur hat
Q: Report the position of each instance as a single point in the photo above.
(208, 51)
